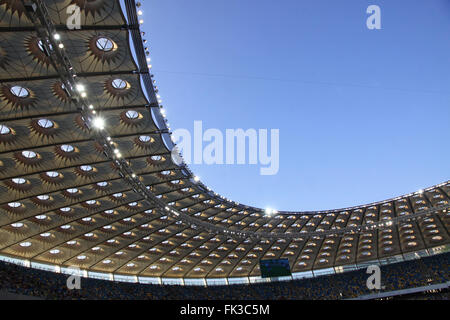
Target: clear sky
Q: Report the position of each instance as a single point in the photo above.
(363, 114)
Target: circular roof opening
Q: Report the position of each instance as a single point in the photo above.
(131, 114)
(119, 84)
(4, 129)
(40, 45)
(17, 225)
(86, 168)
(18, 180)
(104, 44)
(29, 154)
(144, 138)
(52, 174)
(25, 244)
(14, 204)
(19, 91)
(67, 148)
(45, 123)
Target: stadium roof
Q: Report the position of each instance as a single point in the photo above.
(87, 176)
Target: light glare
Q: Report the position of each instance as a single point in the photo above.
(99, 123)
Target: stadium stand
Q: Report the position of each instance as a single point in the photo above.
(19, 280)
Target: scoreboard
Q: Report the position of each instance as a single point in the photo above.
(274, 268)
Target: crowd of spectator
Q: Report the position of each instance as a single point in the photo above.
(48, 285)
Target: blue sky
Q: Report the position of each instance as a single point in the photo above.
(363, 114)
